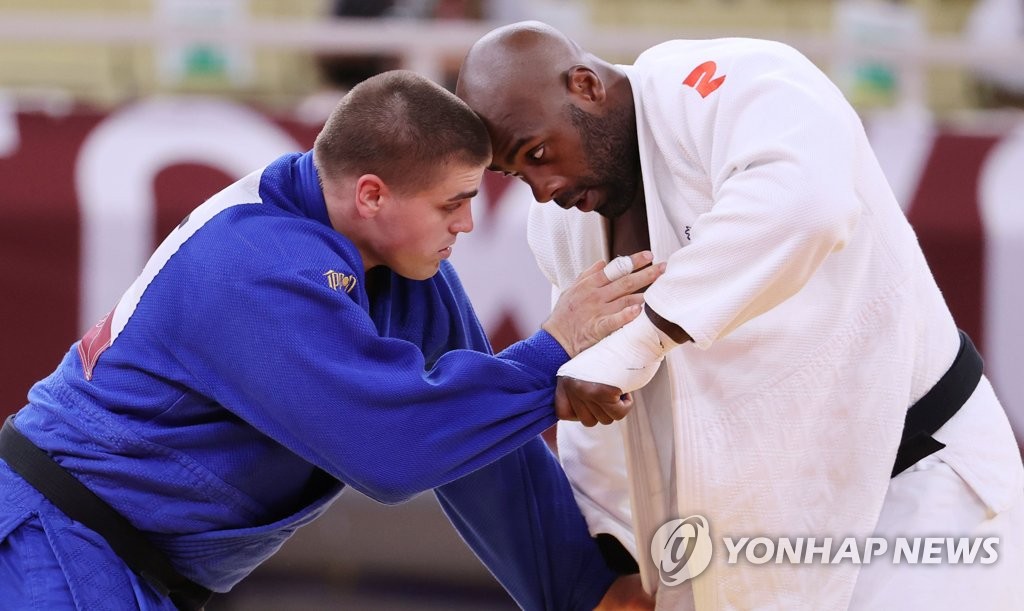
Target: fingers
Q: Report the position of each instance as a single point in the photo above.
(586, 418)
(623, 266)
(613, 322)
(618, 406)
(571, 409)
(602, 274)
(594, 273)
(616, 268)
(637, 280)
(625, 301)
(590, 403)
(619, 267)
(610, 408)
(582, 310)
(641, 259)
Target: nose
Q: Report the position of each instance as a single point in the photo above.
(464, 219)
(544, 185)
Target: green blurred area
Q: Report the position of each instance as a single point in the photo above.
(105, 74)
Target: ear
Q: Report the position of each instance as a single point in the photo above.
(585, 84)
(371, 190)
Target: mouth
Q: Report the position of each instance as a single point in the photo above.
(586, 202)
(446, 251)
(577, 199)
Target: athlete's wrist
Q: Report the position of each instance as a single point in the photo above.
(626, 359)
(556, 333)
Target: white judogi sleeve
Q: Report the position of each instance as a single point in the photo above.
(776, 149)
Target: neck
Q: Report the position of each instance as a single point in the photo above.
(629, 233)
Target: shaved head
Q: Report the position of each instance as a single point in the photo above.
(560, 118)
(531, 55)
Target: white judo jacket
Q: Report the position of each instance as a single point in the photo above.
(816, 322)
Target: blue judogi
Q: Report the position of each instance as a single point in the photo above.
(250, 373)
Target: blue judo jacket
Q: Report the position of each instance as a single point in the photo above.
(253, 371)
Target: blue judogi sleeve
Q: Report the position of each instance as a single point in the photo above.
(518, 514)
(364, 408)
(519, 517)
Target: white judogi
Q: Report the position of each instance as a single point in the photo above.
(816, 324)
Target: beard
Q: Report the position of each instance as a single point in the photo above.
(613, 156)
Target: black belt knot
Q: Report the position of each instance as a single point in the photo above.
(937, 406)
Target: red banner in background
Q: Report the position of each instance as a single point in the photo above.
(86, 197)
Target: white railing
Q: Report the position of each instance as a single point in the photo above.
(426, 46)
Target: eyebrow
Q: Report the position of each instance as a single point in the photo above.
(511, 156)
(463, 195)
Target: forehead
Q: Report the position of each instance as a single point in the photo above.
(519, 120)
(454, 181)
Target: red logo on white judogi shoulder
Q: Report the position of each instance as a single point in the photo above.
(701, 79)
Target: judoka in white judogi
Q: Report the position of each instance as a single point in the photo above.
(815, 323)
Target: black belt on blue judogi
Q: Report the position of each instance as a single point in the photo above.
(82, 505)
(937, 406)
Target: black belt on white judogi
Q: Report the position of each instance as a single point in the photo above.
(937, 406)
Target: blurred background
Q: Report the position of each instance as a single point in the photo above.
(117, 117)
